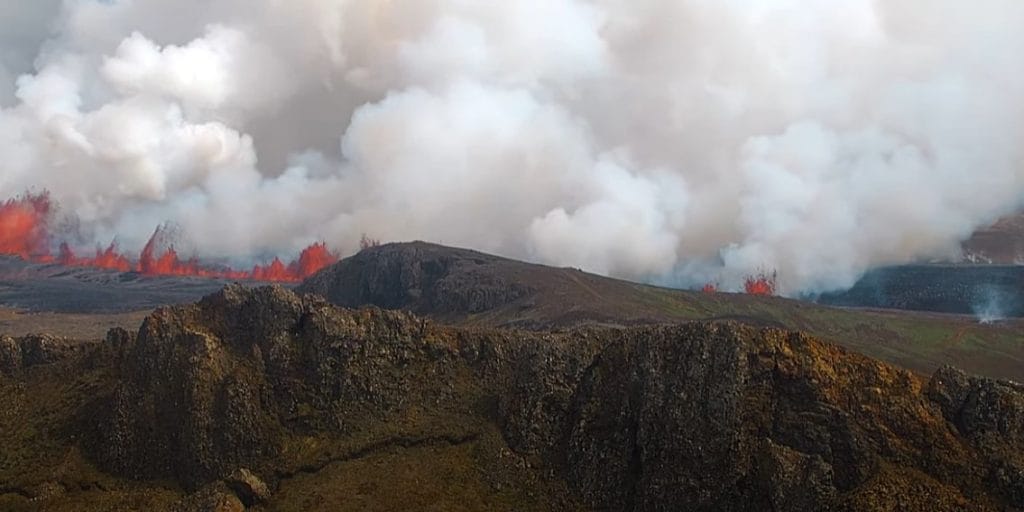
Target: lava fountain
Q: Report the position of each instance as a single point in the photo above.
(763, 283)
(24, 232)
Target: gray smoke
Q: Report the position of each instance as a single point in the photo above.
(672, 141)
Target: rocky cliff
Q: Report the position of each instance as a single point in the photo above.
(266, 399)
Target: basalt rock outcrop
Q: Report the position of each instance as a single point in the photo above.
(19, 353)
(990, 414)
(701, 416)
(420, 277)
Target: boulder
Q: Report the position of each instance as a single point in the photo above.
(248, 487)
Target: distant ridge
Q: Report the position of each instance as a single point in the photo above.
(466, 287)
(1002, 243)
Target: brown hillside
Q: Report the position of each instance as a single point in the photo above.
(469, 288)
(1002, 243)
(264, 399)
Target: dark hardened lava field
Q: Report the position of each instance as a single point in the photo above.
(469, 288)
(990, 292)
(55, 288)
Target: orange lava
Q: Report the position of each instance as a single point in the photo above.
(108, 259)
(761, 284)
(23, 226)
(312, 259)
(23, 233)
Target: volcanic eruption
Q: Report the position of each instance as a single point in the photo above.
(669, 142)
(23, 227)
(25, 233)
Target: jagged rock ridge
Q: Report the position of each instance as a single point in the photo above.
(17, 354)
(702, 416)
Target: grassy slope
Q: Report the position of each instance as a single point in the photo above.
(919, 341)
(38, 457)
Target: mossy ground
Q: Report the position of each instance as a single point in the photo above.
(921, 342)
(41, 466)
(477, 474)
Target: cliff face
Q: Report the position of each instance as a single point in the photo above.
(253, 378)
(703, 416)
(723, 417)
(990, 415)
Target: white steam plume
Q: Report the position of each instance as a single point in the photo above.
(674, 141)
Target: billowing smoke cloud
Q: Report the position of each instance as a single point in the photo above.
(674, 141)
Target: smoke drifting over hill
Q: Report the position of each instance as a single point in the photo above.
(681, 142)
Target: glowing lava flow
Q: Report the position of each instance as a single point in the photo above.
(24, 233)
(109, 259)
(23, 226)
(761, 284)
